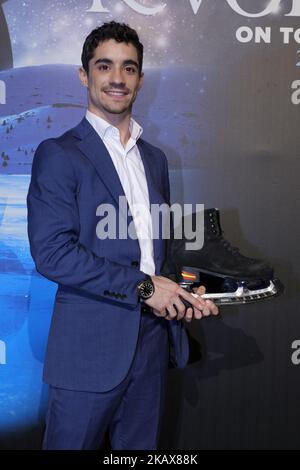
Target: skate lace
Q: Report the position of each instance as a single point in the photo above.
(216, 229)
(232, 249)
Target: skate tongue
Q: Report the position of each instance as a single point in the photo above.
(212, 226)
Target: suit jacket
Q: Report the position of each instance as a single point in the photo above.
(96, 313)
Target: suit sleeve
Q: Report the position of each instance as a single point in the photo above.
(54, 227)
(166, 179)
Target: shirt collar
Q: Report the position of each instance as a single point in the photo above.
(104, 128)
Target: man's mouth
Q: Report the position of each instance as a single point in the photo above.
(116, 93)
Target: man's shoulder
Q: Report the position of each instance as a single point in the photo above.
(63, 142)
(58, 152)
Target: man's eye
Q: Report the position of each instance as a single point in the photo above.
(103, 67)
(130, 69)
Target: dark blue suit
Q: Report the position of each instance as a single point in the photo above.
(97, 313)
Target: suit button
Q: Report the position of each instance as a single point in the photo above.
(135, 263)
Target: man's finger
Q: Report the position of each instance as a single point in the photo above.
(206, 311)
(180, 307)
(199, 290)
(189, 314)
(213, 307)
(198, 314)
(185, 302)
(171, 312)
(193, 299)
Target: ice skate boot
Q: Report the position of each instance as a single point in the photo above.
(229, 276)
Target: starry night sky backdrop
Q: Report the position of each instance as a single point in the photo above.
(53, 32)
(222, 112)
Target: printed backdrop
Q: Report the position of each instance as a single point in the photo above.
(222, 99)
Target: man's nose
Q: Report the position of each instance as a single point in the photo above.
(117, 77)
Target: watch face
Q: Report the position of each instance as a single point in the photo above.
(146, 289)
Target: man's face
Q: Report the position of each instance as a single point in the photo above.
(113, 80)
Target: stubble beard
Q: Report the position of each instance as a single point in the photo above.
(125, 109)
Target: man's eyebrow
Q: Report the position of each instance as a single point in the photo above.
(109, 62)
(105, 61)
(131, 62)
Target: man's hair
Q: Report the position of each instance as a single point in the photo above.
(120, 32)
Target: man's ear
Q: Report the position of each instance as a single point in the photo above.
(83, 77)
(141, 81)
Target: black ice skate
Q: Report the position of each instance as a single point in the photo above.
(229, 276)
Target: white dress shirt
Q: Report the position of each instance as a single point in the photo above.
(129, 166)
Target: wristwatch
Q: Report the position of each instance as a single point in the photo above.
(146, 288)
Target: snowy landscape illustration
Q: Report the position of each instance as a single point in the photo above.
(44, 101)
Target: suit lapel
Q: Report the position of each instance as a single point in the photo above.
(155, 195)
(94, 149)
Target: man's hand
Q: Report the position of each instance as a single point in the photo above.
(210, 308)
(166, 301)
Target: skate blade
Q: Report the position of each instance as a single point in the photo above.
(244, 296)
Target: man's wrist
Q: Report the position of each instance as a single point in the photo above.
(146, 288)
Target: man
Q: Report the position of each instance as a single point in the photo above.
(116, 322)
